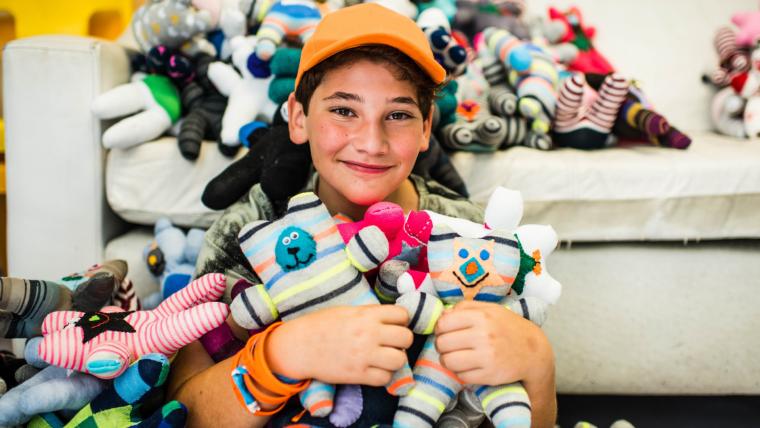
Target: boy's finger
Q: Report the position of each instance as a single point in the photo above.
(395, 336)
(390, 359)
(453, 321)
(374, 376)
(392, 314)
(461, 361)
(470, 304)
(458, 340)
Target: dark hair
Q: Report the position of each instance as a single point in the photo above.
(405, 70)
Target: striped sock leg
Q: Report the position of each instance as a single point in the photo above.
(30, 301)
(318, 398)
(605, 108)
(506, 405)
(675, 139)
(569, 103)
(435, 386)
(401, 382)
(644, 120)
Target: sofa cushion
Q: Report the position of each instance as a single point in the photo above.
(709, 191)
(152, 180)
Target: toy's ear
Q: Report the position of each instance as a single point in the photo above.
(303, 201)
(440, 247)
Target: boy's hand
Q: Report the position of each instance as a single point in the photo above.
(487, 344)
(355, 345)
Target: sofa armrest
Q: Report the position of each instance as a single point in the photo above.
(58, 218)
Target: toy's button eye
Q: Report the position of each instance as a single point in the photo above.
(286, 241)
(463, 253)
(484, 255)
(294, 236)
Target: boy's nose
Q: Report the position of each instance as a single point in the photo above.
(372, 139)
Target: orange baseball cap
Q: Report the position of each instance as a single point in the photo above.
(368, 24)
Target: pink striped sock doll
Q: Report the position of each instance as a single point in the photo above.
(106, 342)
(585, 117)
(732, 58)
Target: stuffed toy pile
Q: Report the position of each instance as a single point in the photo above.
(735, 107)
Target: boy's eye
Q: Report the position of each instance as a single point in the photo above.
(399, 115)
(342, 111)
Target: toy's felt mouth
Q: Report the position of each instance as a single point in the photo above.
(300, 263)
(461, 281)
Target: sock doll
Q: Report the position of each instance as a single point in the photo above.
(120, 404)
(24, 303)
(304, 266)
(585, 117)
(637, 121)
(75, 340)
(534, 77)
(171, 257)
(732, 59)
(286, 19)
(246, 94)
(204, 107)
(568, 27)
(174, 23)
(727, 112)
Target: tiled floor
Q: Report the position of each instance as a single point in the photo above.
(655, 412)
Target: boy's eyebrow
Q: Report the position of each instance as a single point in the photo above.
(404, 100)
(344, 96)
(339, 95)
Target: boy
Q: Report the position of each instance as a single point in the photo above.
(363, 101)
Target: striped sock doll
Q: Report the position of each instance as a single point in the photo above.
(732, 59)
(474, 128)
(503, 103)
(585, 117)
(305, 266)
(104, 343)
(533, 74)
(464, 268)
(286, 18)
(120, 404)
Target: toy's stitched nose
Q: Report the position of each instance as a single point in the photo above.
(293, 250)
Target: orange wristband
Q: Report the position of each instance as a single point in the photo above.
(251, 373)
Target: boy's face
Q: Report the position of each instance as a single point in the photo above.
(365, 130)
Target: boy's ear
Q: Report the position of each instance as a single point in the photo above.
(296, 120)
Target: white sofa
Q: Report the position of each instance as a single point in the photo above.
(660, 258)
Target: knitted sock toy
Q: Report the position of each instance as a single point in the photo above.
(119, 405)
(637, 121)
(50, 390)
(75, 340)
(110, 279)
(434, 163)
(284, 68)
(280, 166)
(463, 269)
(732, 59)
(10, 375)
(25, 303)
(151, 103)
(585, 117)
(171, 257)
(204, 106)
(474, 127)
(174, 23)
(304, 266)
(286, 19)
(247, 94)
(534, 76)
(726, 111)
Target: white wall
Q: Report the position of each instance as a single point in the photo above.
(665, 44)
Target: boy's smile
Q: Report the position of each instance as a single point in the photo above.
(365, 130)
